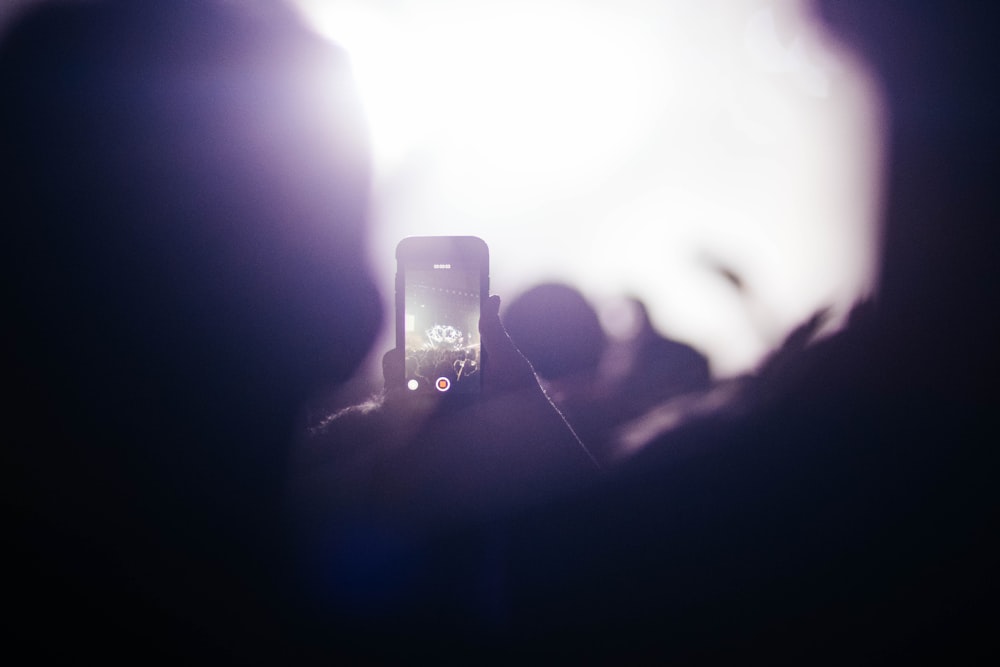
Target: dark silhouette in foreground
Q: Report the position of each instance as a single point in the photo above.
(183, 193)
(184, 228)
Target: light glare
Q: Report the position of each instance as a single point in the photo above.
(628, 147)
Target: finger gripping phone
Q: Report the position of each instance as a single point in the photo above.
(442, 283)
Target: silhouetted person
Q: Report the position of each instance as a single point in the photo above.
(598, 384)
(650, 369)
(412, 466)
(559, 332)
(557, 329)
(184, 188)
(660, 367)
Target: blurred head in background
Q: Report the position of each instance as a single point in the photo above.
(559, 332)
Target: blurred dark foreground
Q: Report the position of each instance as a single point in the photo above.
(182, 244)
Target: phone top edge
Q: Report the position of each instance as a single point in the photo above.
(440, 243)
(416, 249)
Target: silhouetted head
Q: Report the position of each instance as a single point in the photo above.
(556, 329)
(184, 191)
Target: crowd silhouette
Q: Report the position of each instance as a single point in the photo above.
(599, 382)
(184, 190)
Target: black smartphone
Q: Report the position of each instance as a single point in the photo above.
(441, 285)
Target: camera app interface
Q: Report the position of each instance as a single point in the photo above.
(442, 329)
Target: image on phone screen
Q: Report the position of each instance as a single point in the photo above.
(441, 328)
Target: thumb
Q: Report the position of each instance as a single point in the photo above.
(393, 369)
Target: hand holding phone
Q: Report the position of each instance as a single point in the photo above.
(434, 458)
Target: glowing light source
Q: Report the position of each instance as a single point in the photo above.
(717, 160)
(520, 86)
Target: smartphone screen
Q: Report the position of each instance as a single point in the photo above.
(442, 285)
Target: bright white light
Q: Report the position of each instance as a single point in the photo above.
(628, 146)
(515, 85)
